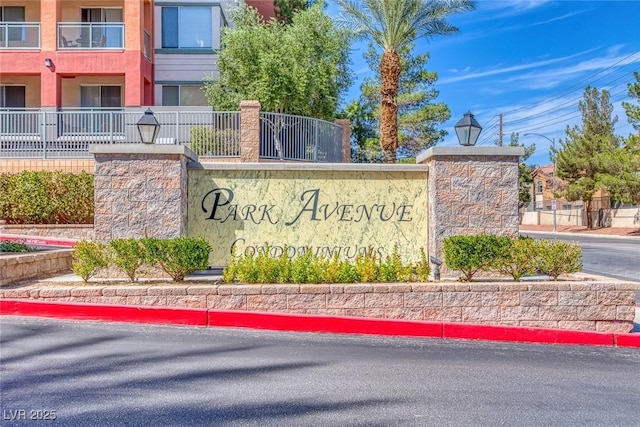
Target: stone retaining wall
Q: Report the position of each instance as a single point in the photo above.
(579, 305)
(60, 231)
(18, 267)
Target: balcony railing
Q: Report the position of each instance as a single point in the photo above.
(19, 35)
(90, 35)
(31, 133)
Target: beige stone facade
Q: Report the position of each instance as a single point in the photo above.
(472, 190)
(578, 305)
(140, 190)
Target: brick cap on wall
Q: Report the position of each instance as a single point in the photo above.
(153, 149)
(289, 166)
(469, 151)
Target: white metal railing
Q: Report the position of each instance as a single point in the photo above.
(19, 35)
(90, 35)
(287, 137)
(32, 133)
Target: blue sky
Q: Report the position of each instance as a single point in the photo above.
(529, 60)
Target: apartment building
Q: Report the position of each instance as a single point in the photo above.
(109, 54)
(65, 54)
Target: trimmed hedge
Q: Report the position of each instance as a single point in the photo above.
(513, 256)
(44, 197)
(177, 257)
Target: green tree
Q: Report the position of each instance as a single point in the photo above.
(285, 9)
(365, 145)
(392, 25)
(592, 156)
(297, 69)
(418, 114)
(525, 171)
(633, 111)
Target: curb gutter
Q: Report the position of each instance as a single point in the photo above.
(312, 323)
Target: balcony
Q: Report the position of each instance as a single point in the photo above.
(86, 35)
(19, 35)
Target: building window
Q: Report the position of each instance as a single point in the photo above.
(187, 27)
(107, 34)
(13, 14)
(183, 95)
(539, 186)
(12, 96)
(100, 96)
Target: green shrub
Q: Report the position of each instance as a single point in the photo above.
(393, 270)
(128, 255)
(7, 246)
(301, 266)
(519, 259)
(347, 273)
(367, 266)
(46, 198)
(555, 258)
(87, 258)
(422, 267)
(307, 267)
(177, 257)
(214, 142)
(471, 254)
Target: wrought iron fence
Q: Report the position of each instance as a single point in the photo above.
(287, 137)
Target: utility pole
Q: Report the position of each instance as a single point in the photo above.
(500, 133)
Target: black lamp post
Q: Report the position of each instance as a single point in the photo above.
(148, 127)
(468, 130)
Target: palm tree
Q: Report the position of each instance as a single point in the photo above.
(392, 25)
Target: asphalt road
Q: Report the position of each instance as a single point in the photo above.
(110, 374)
(617, 258)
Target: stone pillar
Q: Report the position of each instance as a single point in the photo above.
(472, 190)
(250, 131)
(140, 190)
(346, 139)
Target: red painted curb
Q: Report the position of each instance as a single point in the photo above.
(311, 323)
(522, 334)
(627, 340)
(31, 240)
(329, 324)
(112, 313)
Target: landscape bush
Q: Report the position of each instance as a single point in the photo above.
(519, 259)
(555, 258)
(217, 142)
(42, 197)
(514, 256)
(128, 256)
(471, 254)
(177, 257)
(8, 246)
(307, 267)
(87, 258)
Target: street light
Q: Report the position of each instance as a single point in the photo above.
(468, 130)
(148, 127)
(553, 178)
